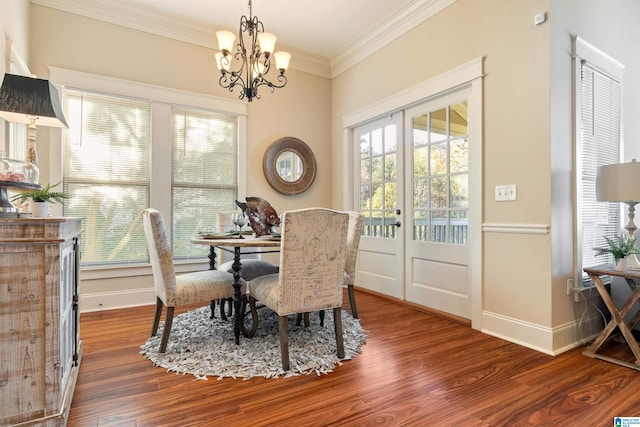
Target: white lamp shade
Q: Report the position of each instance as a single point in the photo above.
(267, 42)
(618, 182)
(282, 60)
(225, 40)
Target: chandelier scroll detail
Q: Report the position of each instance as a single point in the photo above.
(254, 53)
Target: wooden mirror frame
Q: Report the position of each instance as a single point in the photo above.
(289, 143)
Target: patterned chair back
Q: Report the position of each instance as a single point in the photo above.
(353, 241)
(312, 260)
(160, 255)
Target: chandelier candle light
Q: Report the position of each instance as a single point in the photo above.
(620, 183)
(254, 63)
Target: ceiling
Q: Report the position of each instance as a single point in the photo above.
(336, 33)
(323, 28)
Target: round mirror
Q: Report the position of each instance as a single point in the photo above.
(289, 165)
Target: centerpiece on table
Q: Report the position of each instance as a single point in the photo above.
(263, 218)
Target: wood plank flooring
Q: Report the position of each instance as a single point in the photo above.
(416, 369)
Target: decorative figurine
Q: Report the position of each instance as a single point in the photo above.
(263, 218)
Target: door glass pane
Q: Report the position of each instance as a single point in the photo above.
(438, 226)
(458, 120)
(376, 169)
(390, 139)
(390, 168)
(459, 156)
(421, 193)
(420, 225)
(441, 190)
(420, 161)
(459, 191)
(458, 229)
(376, 142)
(438, 159)
(439, 125)
(421, 130)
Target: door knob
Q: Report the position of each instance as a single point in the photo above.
(398, 224)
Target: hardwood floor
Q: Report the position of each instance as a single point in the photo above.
(415, 369)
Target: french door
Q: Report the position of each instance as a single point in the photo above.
(379, 161)
(412, 185)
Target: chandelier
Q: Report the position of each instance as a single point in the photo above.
(253, 51)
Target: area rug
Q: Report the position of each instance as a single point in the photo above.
(206, 347)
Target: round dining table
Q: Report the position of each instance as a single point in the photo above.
(237, 243)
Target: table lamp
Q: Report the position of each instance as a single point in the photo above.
(621, 183)
(32, 101)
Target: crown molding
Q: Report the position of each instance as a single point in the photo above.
(401, 22)
(149, 20)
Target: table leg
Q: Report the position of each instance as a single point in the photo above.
(617, 319)
(212, 257)
(237, 295)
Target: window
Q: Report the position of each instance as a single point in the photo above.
(598, 136)
(130, 146)
(106, 168)
(204, 178)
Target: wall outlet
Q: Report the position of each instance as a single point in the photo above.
(569, 286)
(506, 193)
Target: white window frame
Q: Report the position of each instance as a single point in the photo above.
(584, 52)
(162, 99)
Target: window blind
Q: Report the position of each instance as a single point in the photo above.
(204, 173)
(600, 133)
(106, 168)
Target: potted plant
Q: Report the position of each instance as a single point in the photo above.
(41, 199)
(620, 248)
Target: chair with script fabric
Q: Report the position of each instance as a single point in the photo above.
(313, 252)
(353, 242)
(252, 264)
(172, 290)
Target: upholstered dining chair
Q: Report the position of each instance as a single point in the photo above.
(172, 290)
(354, 233)
(312, 261)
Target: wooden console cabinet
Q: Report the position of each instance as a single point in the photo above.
(40, 347)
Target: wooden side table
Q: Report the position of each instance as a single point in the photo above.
(617, 315)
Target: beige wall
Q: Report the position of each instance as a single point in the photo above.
(301, 109)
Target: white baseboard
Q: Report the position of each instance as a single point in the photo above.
(120, 299)
(552, 341)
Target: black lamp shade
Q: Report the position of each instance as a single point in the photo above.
(24, 98)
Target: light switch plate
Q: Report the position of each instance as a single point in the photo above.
(506, 193)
